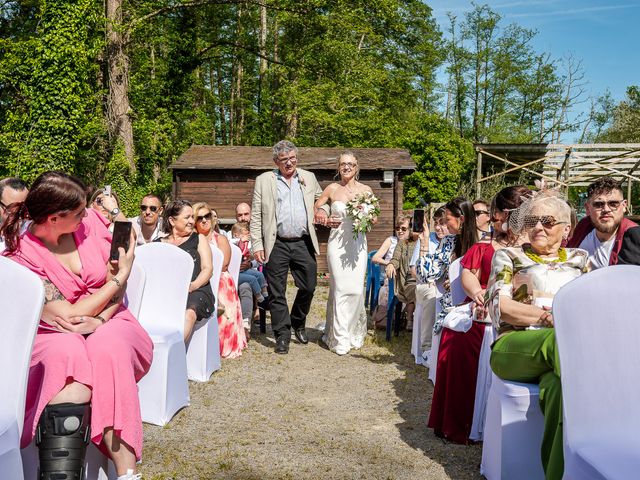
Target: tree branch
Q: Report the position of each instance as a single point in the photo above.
(241, 47)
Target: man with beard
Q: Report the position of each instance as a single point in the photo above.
(600, 233)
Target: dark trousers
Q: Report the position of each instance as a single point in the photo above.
(297, 256)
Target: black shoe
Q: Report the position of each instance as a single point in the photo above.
(301, 335)
(282, 346)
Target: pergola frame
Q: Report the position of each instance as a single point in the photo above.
(565, 165)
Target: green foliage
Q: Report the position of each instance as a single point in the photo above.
(442, 159)
(48, 88)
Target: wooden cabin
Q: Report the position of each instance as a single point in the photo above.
(224, 176)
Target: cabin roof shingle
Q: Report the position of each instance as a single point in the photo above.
(211, 157)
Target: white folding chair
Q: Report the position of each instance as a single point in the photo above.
(598, 338)
(135, 289)
(483, 384)
(512, 432)
(203, 350)
(457, 297)
(234, 263)
(164, 389)
(21, 302)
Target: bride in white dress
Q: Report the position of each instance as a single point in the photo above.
(346, 325)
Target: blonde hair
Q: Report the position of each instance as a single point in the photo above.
(348, 153)
(238, 227)
(204, 205)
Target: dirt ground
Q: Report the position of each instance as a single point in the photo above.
(310, 414)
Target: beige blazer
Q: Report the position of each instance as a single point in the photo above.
(264, 225)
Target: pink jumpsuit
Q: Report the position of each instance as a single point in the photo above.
(109, 361)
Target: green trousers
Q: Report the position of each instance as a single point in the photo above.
(531, 356)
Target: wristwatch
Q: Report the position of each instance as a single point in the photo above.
(114, 212)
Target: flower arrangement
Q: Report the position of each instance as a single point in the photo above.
(363, 209)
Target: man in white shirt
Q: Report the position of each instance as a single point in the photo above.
(600, 233)
(12, 190)
(148, 225)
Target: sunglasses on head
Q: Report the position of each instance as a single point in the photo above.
(547, 221)
(206, 217)
(612, 204)
(144, 208)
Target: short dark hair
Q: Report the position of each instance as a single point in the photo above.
(14, 183)
(152, 195)
(480, 200)
(603, 185)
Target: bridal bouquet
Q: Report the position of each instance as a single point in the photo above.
(363, 209)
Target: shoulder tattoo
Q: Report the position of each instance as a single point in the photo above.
(51, 292)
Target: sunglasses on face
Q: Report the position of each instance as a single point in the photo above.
(402, 229)
(481, 212)
(612, 204)
(201, 218)
(348, 164)
(144, 208)
(547, 221)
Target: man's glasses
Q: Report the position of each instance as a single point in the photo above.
(612, 204)
(402, 229)
(144, 208)
(547, 221)
(288, 159)
(481, 212)
(201, 218)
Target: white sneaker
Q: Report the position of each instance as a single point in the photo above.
(130, 475)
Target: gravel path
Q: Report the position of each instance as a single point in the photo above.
(309, 415)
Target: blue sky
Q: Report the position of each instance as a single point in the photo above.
(600, 33)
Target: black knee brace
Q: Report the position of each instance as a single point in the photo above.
(62, 437)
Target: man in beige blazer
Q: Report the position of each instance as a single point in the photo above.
(283, 237)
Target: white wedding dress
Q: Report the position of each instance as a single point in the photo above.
(346, 325)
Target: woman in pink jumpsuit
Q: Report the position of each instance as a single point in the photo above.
(88, 347)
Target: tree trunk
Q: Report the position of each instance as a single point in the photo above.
(118, 107)
(262, 46)
(223, 118)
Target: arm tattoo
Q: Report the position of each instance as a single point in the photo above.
(51, 292)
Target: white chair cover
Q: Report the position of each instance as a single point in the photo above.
(135, 289)
(21, 301)
(234, 263)
(203, 351)
(513, 432)
(483, 384)
(457, 294)
(598, 339)
(416, 343)
(164, 389)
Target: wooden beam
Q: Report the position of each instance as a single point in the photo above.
(519, 167)
(599, 164)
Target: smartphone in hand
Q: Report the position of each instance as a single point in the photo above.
(121, 238)
(417, 223)
(107, 190)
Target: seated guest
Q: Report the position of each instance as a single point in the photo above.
(521, 288)
(243, 212)
(398, 269)
(383, 257)
(89, 350)
(255, 279)
(108, 206)
(427, 243)
(455, 390)
(233, 333)
(178, 225)
(12, 190)
(600, 232)
(483, 219)
(148, 225)
(461, 224)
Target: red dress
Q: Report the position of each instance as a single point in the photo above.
(231, 331)
(457, 371)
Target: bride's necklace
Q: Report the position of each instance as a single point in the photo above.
(349, 189)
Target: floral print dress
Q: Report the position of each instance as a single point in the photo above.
(520, 274)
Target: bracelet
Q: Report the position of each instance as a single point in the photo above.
(116, 281)
(99, 317)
